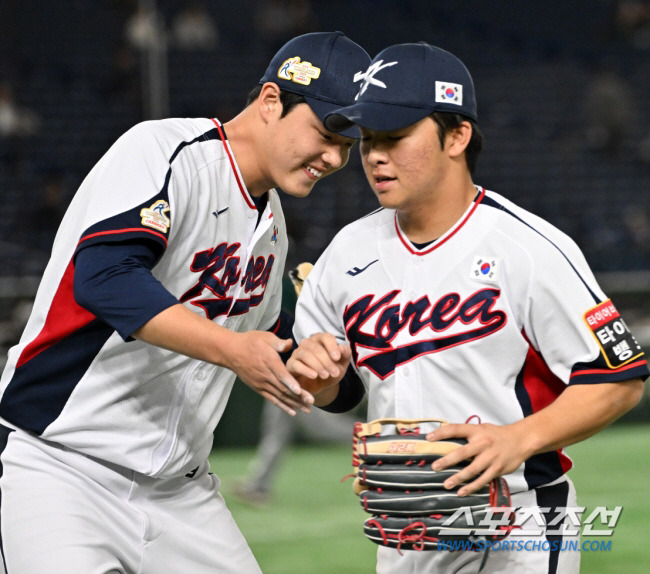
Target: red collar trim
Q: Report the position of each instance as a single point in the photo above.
(438, 243)
(233, 165)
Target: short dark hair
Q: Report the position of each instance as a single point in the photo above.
(289, 100)
(447, 122)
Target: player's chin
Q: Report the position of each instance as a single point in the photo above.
(387, 200)
(298, 189)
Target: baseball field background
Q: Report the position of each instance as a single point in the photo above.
(312, 524)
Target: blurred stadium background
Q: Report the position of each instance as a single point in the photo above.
(563, 91)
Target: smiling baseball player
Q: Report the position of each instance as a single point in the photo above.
(454, 303)
(164, 277)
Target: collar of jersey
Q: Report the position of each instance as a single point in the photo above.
(233, 164)
(438, 242)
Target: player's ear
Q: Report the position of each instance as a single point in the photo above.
(458, 138)
(268, 103)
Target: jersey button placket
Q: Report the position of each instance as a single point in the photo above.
(401, 382)
(406, 393)
(197, 386)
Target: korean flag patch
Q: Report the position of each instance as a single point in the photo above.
(485, 269)
(617, 344)
(449, 93)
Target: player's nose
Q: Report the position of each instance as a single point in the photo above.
(336, 156)
(374, 154)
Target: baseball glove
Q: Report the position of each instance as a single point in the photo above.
(410, 508)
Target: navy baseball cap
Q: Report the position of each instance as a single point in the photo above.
(404, 84)
(321, 67)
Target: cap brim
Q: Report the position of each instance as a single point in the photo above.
(375, 116)
(323, 109)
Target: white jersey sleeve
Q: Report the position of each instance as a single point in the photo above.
(561, 304)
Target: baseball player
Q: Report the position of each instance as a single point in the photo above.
(164, 284)
(454, 303)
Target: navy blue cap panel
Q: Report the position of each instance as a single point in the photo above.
(408, 82)
(374, 116)
(323, 109)
(320, 66)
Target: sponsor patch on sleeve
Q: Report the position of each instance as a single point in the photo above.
(617, 344)
(156, 216)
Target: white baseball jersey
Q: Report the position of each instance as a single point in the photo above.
(73, 379)
(493, 319)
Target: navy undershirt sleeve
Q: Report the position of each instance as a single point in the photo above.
(114, 282)
(351, 393)
(283, 328)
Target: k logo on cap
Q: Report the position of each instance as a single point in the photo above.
(368, 77)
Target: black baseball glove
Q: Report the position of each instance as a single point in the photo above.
(411, 510)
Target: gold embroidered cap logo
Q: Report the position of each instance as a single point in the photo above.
(296, 71)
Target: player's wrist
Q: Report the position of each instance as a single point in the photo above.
(326, 396)
(529, 438)
(226, 345)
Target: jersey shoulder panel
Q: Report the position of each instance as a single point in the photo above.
(528, 230)
(132, 190)
(163, 139)
(378, 221)
(533, 242)
(170, 132)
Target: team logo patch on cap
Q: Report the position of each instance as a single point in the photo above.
(367, 78)
(485, 269)
(155, 217)
(294, 70)
(448, 93)
(617, 344)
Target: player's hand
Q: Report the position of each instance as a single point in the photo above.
(255, 358)
(495, 450)
(319, 362)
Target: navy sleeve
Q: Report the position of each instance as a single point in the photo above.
(114, 282)
(283, 328)
(351, 393)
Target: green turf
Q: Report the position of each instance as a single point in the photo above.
(313, 523)
(613, 469)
